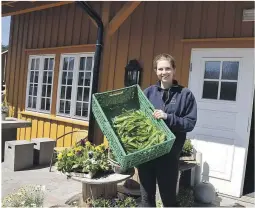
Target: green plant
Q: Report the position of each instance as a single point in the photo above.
(185, 197)
(5, 106)
(27, 196)
(187, 148)
(115, 202)
(85, 158)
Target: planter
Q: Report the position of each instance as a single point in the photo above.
(4, 115)
(116, 167)
(81, 175)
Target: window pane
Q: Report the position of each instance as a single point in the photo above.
(43, 104)
(70, 78)
(46, 62)
(86, 95)
(51, 63)
(49, 77)
(43, 90)
(71, 63)
(29, 102)
(44, 77)
(79, 94)
(32, 77)
(37, 64)
(230, 70)
(62, 96)
(81, 78)
(65, 64)
(67, 107)
(87, 78)
(36, 77)
(32, 64)
(89, 64)
(34, 102)
(228, 91)
(47, 104)
(30, 89)
(78, 108)
(85, 110)
(68, 93)
(35, 90)
(62, 106)
(49, 91)
(64, 78)
(210, 89)
(82, 63)
(212, 70)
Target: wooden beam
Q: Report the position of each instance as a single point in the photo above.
(217, 39)
(37, 8)
(63, 49)
(122, 15)
(7, 3)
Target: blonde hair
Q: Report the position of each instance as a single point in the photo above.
(164, 56)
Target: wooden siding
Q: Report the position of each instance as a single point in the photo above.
(153, 28)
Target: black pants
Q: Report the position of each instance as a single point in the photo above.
(164, 170)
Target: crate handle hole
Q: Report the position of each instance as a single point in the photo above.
(9, 147)
(116, 93)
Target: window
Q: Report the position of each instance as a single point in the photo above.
(39, 83)
(220, 80)
(75, 82)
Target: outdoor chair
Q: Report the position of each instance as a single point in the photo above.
(76, 137)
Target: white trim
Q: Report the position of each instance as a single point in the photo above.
(73, 100)
(40, 83)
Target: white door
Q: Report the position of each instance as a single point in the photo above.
(222, 81)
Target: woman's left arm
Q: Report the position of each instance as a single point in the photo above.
(187, 122)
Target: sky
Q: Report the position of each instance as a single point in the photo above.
(5, 29)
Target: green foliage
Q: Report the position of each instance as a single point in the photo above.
(83, 159)
(185, 198)
(121, 203)
(187, 148)
(27, 196)
(4, 47)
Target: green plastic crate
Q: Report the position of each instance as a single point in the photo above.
(107, 105)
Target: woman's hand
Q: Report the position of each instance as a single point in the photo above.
(158, 114)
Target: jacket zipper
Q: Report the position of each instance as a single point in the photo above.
(164, 105)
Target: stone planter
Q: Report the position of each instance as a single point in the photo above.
(4, 115)
(89, 175)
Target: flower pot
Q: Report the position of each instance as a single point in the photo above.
(4, 115)
(116, 167)
(82, 175)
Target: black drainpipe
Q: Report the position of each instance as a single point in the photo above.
(97, 58)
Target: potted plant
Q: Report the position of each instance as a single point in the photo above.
(83, 160)
(5, 110)
(187, 151)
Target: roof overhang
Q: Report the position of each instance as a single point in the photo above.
(10, 8)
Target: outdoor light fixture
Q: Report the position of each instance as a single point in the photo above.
(132, 73)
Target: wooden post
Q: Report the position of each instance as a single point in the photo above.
(95, 191)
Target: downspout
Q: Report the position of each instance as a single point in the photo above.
(99, 45)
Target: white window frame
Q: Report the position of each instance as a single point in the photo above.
(74, 84)
(221, 60)
(40, 82)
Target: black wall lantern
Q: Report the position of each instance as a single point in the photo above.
(132, 73)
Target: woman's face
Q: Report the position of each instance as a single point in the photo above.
(165, 71)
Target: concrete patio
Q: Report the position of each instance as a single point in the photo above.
(59, 189)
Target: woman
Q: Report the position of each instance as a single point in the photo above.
(177, 106)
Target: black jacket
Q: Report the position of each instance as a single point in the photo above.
(180, 106)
